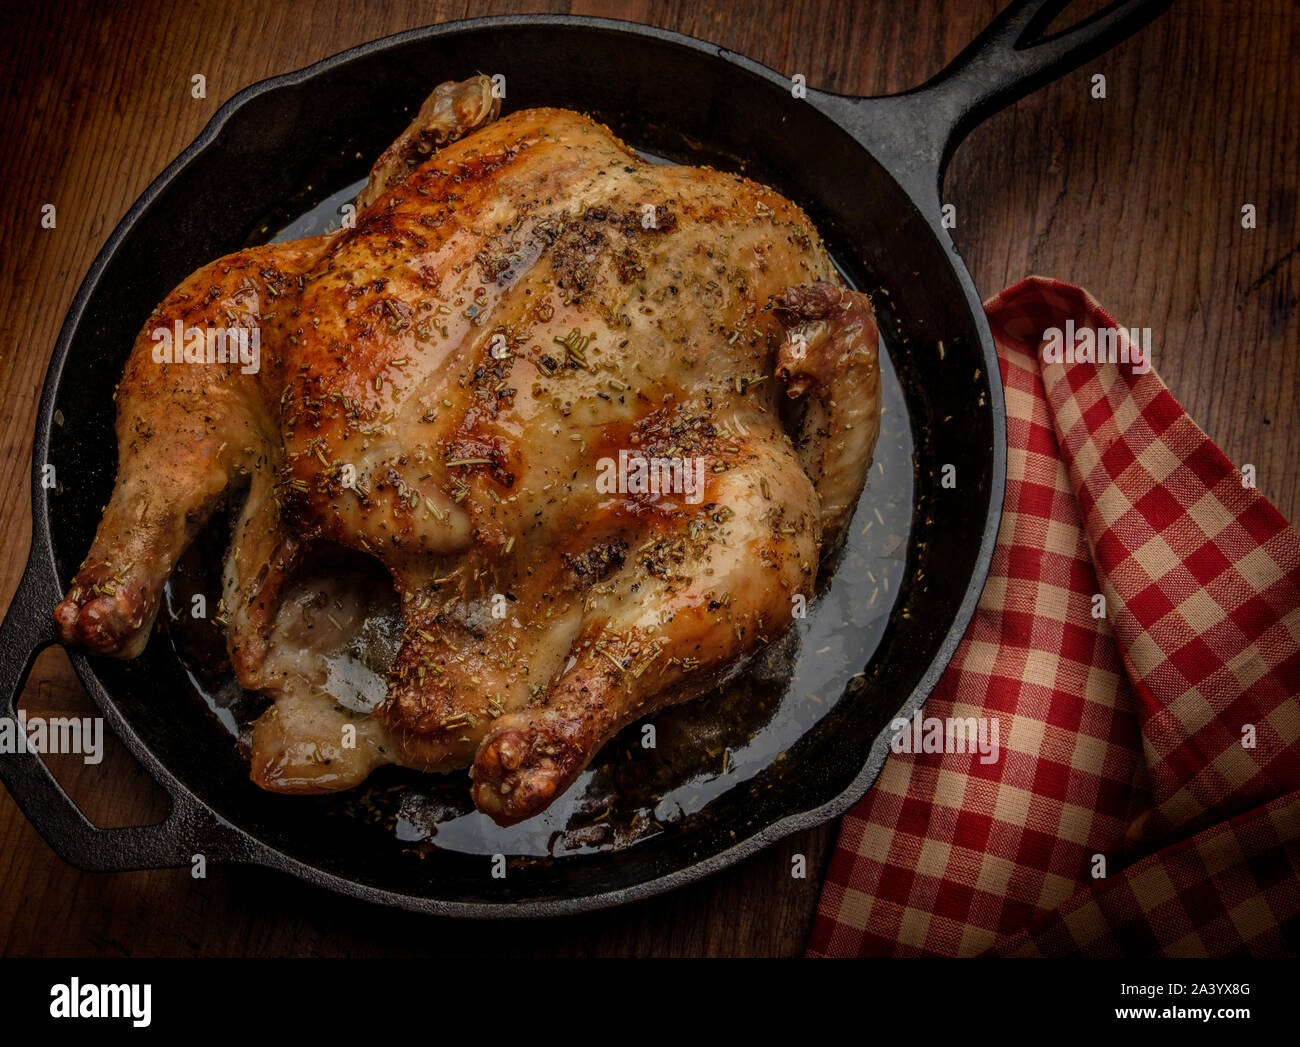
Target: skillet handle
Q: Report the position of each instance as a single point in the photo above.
(917, 131)
(1011, 59)
(188, 829)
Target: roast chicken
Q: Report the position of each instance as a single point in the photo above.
(598, 418)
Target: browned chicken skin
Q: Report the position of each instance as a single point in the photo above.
(449, 386)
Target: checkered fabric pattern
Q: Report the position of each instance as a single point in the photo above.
(1146, 799)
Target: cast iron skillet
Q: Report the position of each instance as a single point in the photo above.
(867, 170)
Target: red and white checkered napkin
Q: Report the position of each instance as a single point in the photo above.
(1121, 737)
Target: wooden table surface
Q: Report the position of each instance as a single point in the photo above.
(1137, 197)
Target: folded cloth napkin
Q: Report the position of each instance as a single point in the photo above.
(1146, 798)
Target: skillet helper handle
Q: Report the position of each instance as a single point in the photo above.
(27, 630)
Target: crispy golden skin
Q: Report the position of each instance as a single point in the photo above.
(443, 386)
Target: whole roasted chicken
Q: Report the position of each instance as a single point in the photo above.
(598, 418)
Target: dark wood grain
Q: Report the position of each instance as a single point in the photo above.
(1137, 197)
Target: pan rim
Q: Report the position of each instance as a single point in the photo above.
(260, 852)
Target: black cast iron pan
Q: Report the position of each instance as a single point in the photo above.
(868, 173)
